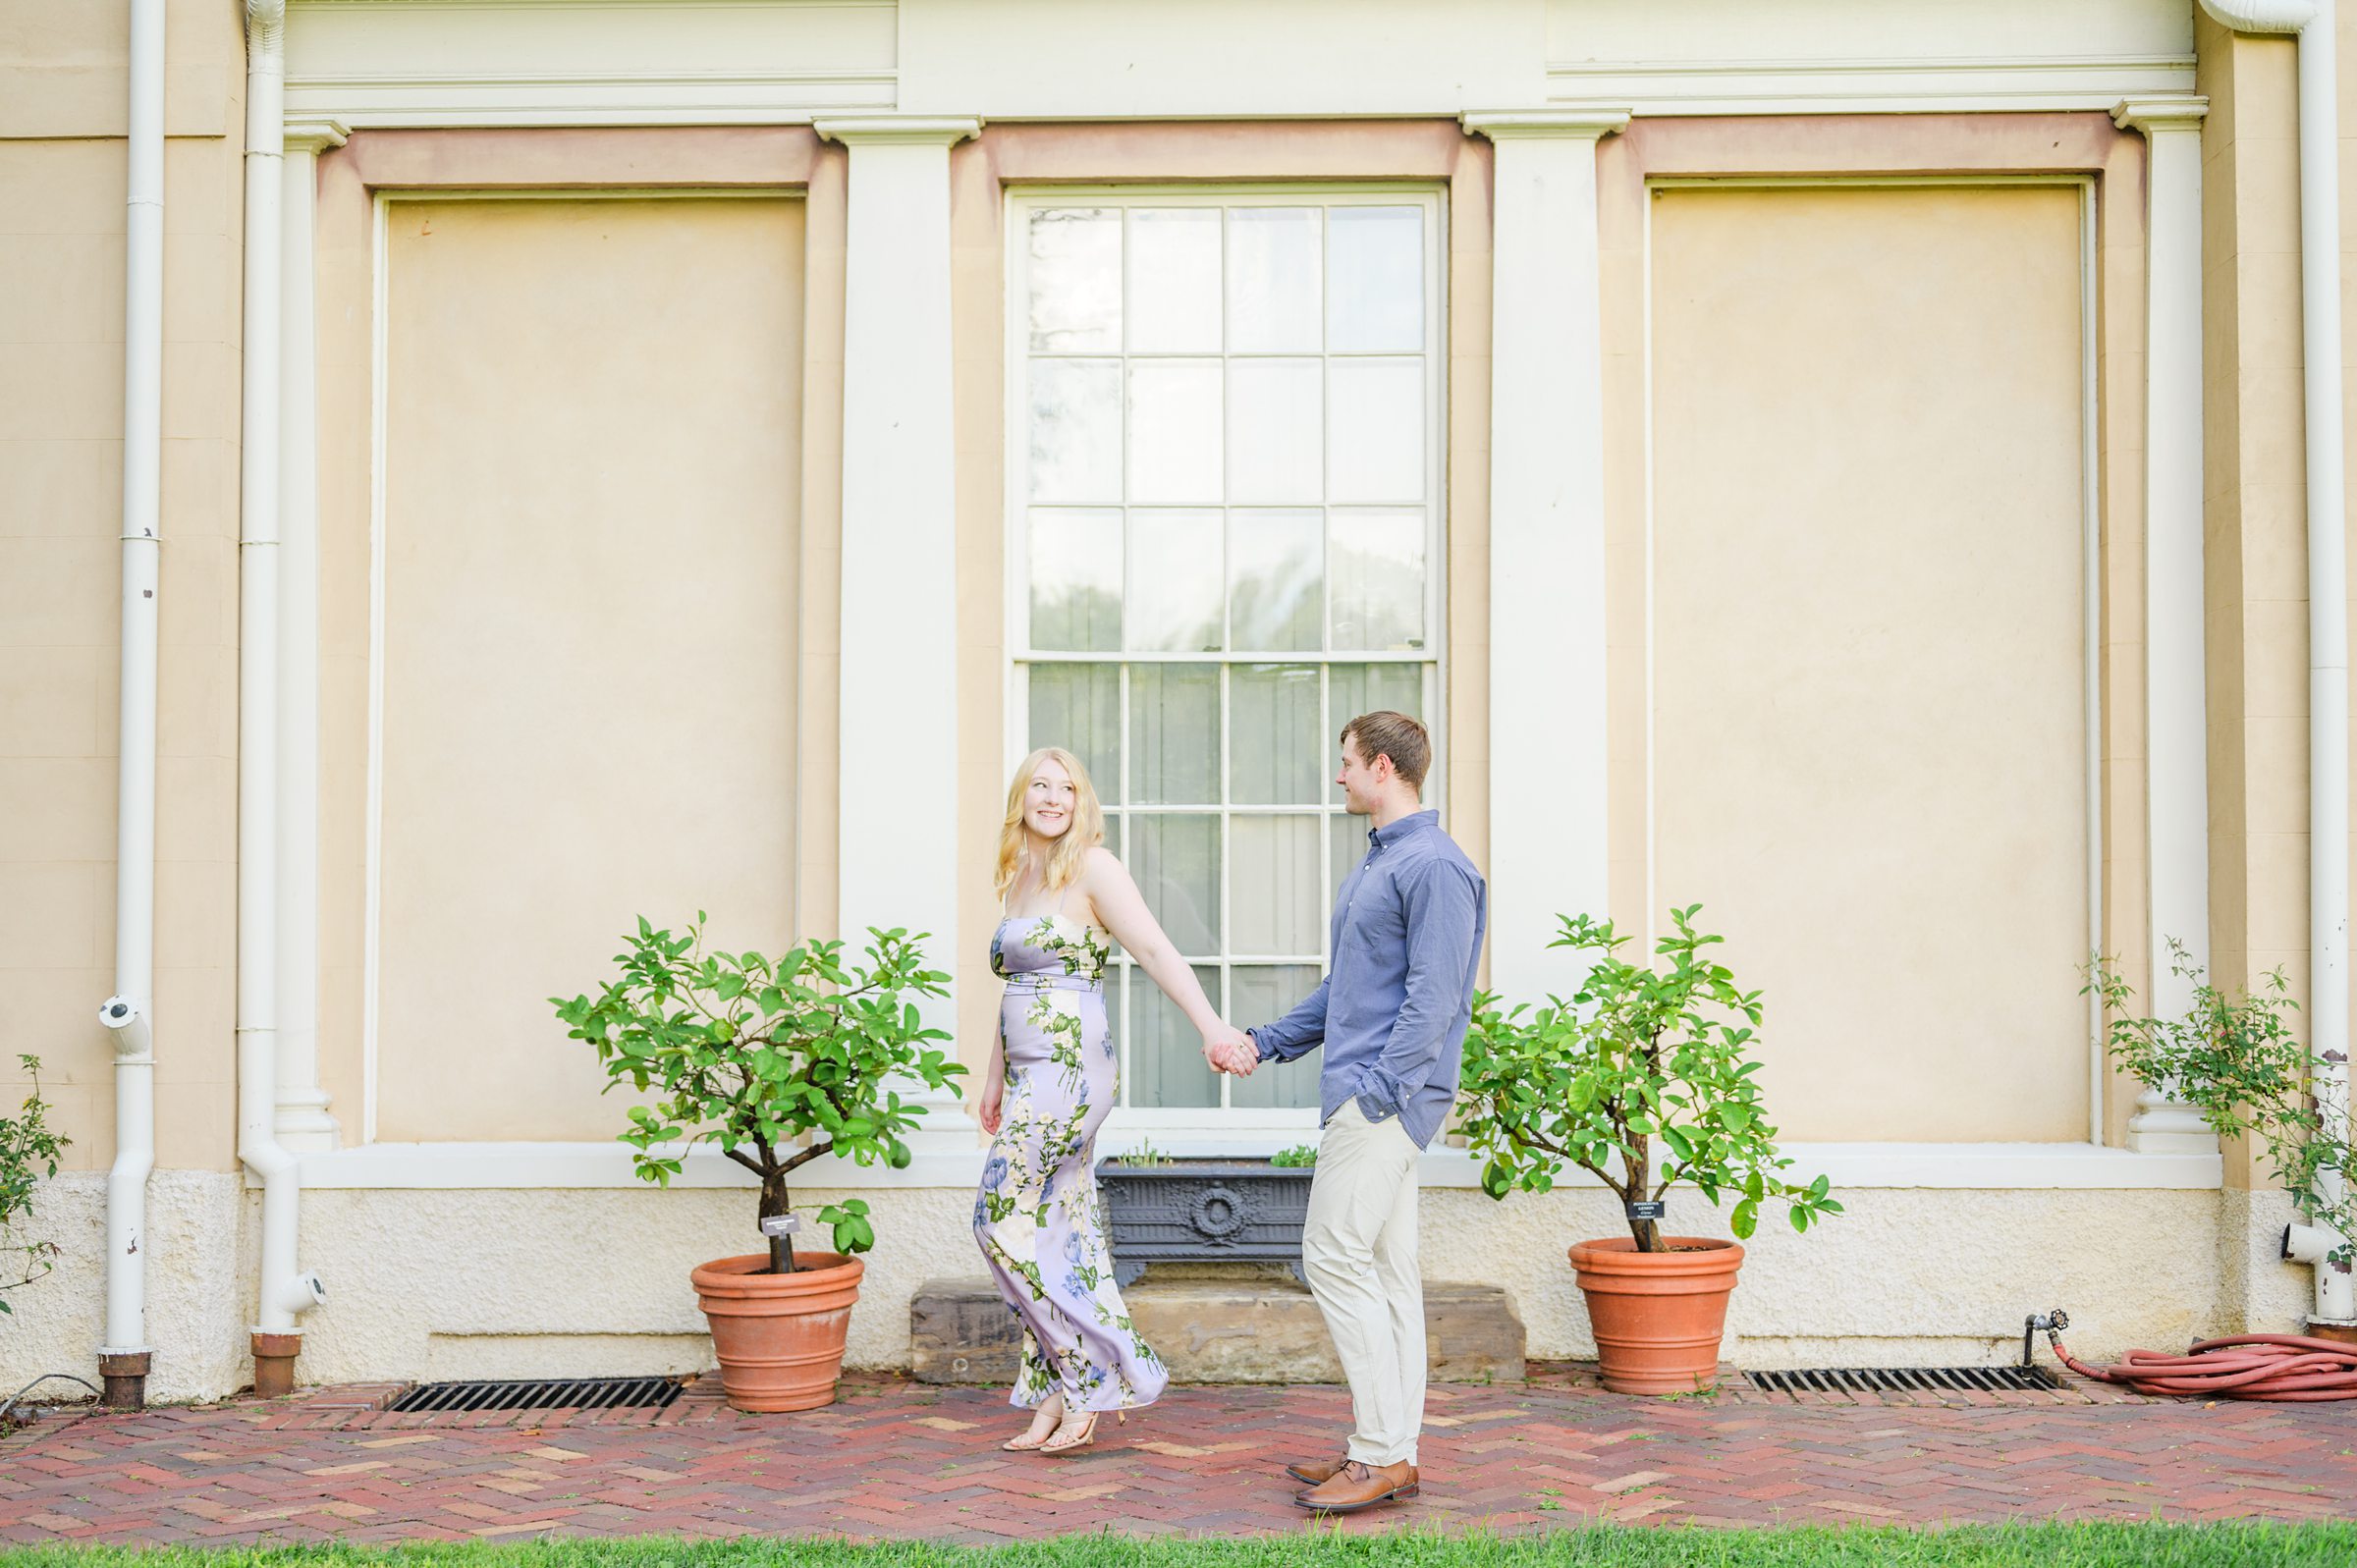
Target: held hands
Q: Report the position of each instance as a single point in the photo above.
(1230, 1050)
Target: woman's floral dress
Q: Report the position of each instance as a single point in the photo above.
(1037, 1217)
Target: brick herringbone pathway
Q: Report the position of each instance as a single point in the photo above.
(893, 1458)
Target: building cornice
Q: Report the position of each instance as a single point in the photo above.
(898, 131)
(2148, 115)
(1531, 124)
(315, 134)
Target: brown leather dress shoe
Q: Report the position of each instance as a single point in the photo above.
(1356, 1485)
(1315, 1471)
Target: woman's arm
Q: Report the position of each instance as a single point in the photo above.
(1121, 909)
(987, 1109)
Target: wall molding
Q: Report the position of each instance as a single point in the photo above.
(565, 98)
(1918, 85)
(1966, 1166)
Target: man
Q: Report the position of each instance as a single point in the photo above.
(1391, 1016)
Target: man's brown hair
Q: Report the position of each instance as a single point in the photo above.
(1385, 734)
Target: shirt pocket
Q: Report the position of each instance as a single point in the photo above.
(1378, 913)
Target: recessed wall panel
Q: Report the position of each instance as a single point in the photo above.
(591, 413)
(1869, 642)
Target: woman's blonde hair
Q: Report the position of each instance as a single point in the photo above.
(1086, 832)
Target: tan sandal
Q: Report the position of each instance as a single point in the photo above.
(1026, 1444)
(1088, 1434)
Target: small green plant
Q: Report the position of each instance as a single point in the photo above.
(777, 1062)
(1145, 1153)
(2236, 1060)
(1299, 1154)
(1645, 1066)
(29, 1153)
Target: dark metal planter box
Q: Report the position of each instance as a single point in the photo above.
(1204, 1210)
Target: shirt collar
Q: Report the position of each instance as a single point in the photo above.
(1413, 822)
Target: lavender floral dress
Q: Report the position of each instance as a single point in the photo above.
(1037, 1217)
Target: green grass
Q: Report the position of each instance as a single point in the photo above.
(2077, 1545)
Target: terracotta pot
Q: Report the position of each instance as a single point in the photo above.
(779, 1336)
(1657, 1316)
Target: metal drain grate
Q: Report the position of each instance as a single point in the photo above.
(1909, 1380)
(542, 1393)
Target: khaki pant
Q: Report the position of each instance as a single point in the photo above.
(1358, 1248)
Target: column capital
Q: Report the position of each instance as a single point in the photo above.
(1591, 122)
(316, 136)
(900, 129)
(2151, 115)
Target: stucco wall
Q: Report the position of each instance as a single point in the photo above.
(589, 600)
(199, 1286)
(544, 1282)
(63, 175)
(2256, 580)
(1868, 640)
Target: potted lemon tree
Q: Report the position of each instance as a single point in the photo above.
(776, 1063)
(1644, 1078)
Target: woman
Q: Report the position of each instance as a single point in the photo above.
(1053, 1076)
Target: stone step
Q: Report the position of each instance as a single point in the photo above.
(1218, 1330)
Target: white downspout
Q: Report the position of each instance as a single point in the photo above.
(124, 1356)
(284, 1289)
(2328, 597)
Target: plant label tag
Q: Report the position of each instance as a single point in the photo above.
(1649, 1209)
(781, 1225)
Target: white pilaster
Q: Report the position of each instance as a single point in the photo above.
(303, 1122)
(898, 844)
(2177, 802)
(1548, 839)
(2176, 715)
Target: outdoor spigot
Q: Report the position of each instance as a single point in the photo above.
(2054, 1323)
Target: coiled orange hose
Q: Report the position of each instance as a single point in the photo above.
(2280, 1366)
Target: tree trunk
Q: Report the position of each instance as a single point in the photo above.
(1639, 1165)
(773, 1204)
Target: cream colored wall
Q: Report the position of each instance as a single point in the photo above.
(592, 409)
(2255, 596)
(1926, 1276)
(1070, 58)
(1818, 150)
(1720, 30)
(768, 161)
(62, 73)
(820, 699)
(1868, 641)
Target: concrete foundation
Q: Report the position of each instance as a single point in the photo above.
(1214, 1329)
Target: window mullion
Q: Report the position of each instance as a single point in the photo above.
(1128, 1094)
(1220, 751)
(1324, 817)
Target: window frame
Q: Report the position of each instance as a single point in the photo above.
(1222, 1123)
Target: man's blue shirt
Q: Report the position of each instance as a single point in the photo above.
(1392, 1009)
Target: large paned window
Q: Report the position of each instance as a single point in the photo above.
(1223, 500)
